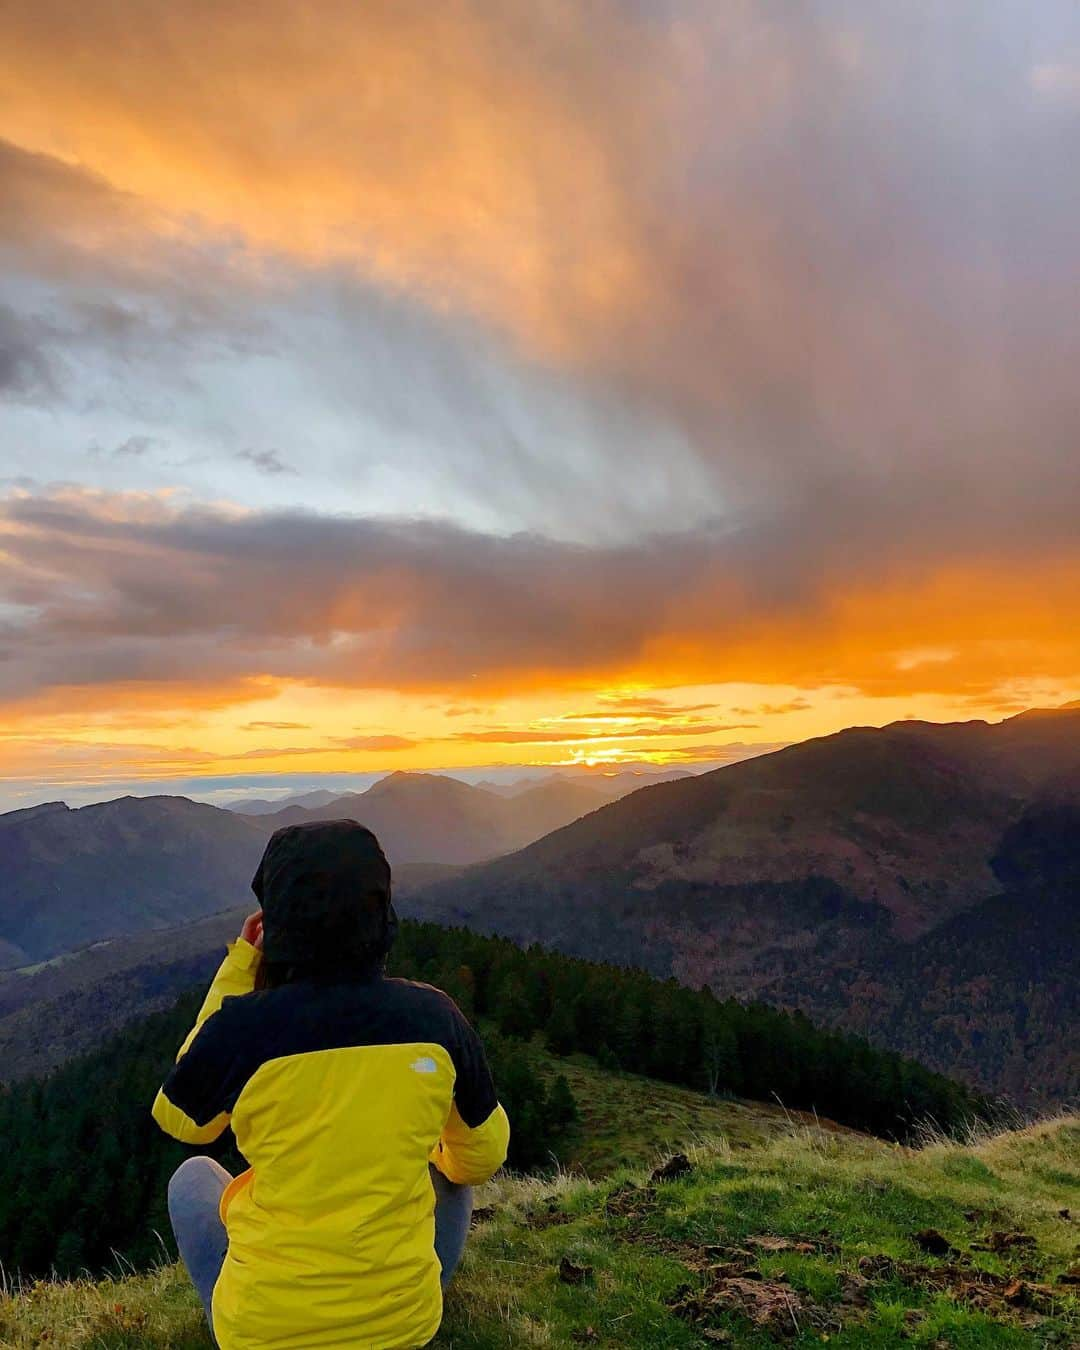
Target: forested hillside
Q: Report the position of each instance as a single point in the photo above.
(873, 879)
(83, 1167)
(993, 994)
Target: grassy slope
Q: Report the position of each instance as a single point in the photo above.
(668, 1262)
(628, 1120)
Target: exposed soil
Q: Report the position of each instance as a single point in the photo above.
(994, 1294)
(679, 1165)
(550, 1215)
(766, 1303)
(631, 1202)
(1003, 1242)
(571, 1273)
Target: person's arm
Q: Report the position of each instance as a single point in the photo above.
(474, 1140)
(181, 1101)
(471, 1155)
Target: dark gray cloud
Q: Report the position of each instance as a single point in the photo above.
(133, 447)
(266, 461)
(49, 208)
(108, 589)
(25, 369)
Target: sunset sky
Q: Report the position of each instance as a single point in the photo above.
(405, 385)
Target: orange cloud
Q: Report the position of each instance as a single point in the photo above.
(383, 742)
(173, 602)
(553, 736)
(429, 147)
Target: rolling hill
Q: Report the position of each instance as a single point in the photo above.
(263, 806)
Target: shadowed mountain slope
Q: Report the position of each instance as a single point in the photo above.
(906, 818)
(74, 877)
(67, 1005)
(125, 866)
(805, 876)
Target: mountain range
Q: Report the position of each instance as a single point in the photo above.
(429, 817)
(916, 883)
(74, 877)
(607, 785)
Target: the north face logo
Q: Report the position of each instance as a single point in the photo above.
(424, 1065)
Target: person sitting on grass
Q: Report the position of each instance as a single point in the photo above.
(363, 1104)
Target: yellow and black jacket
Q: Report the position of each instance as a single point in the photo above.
(338, 1094)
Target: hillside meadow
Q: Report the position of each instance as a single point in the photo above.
(810, 1237)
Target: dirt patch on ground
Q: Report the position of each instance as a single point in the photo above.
(822, 1245)
(571, 1273)
(678, 1165)
(769, 1304)
(548, 1214)
(1004, 1242)
(731, 1283)
(631, 1202)
(996, 1295)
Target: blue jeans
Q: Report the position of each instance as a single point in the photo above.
(195, 1193)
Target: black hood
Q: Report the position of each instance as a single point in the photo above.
(324, 888)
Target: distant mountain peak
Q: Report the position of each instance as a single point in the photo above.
(408, 780)
(33, 812)
(1029, 714)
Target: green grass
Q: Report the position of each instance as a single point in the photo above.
(809, 1231)
(627, 1119)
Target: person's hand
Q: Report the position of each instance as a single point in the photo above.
(252, 930)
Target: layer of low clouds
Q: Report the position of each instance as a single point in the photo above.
(104, 589)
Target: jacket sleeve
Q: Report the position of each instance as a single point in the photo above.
(474, 1140)
(197, 1076)
(472, 1155)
